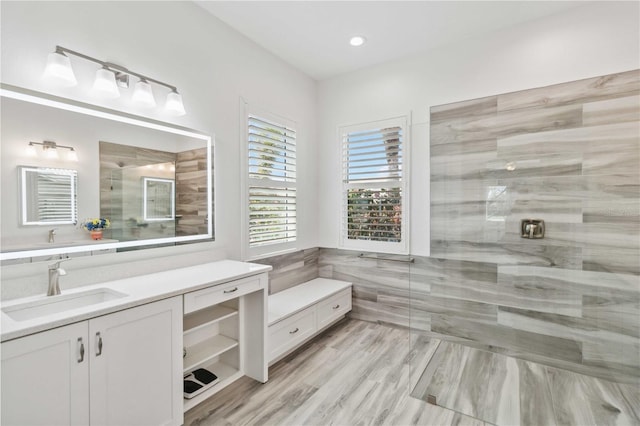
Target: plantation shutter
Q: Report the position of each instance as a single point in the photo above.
(272, 182)
(56, 201)
(374, 188)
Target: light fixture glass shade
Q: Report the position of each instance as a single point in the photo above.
(143, 95)
(357, 41)
(59, 70)
(72, 155)
(51, 153)
(174, 104)
(105, 84)
(30, 150)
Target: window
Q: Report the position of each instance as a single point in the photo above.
(271, 185)
(374, 187)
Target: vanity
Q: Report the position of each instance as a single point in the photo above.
(116, 353)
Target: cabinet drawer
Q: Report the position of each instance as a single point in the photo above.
(334, 307)
(287, 333)
(201, 299)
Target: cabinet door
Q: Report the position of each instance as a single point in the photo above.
(136, 365)
(45, 378)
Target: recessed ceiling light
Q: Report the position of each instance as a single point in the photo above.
(357, 41)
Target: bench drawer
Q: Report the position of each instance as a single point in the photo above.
(291, 331)
(334, 307)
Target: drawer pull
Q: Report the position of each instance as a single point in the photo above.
(337, 306)
(80, 350)
(231, 291)
(99, 345)
(294, 331)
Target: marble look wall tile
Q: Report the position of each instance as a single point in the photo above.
(576, 329)
(508, 165)
(291, 269)
(507, 124)
(614, 311)
(465, 109)
(366, 310)
(507, 337)
(451, 307)
(517, 289)
(543, 296)
(617, 356)
(625, 211)
(509, 254)
(567, 211)
(463, 166)
(583, 283)
(602, 147)
(611, 259)
(617, 110)
(469, 147)
(575, 92)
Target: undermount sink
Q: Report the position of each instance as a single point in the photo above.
(49, 305)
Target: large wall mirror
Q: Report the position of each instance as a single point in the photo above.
(151, 181)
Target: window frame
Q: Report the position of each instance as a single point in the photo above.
(403, 246)
(249, 252)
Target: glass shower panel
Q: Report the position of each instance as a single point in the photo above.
(533, 275)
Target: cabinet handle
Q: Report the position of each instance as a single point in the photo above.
(80, 350)
(294, 331)
(231, 291)
(99, 345)
(337, 306)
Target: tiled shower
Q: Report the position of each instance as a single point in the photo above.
(567, 154)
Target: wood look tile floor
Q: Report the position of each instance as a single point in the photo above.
(356, 373)
(361, 373)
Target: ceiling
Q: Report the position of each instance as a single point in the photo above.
(313, 35)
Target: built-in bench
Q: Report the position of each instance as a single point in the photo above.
(301, 312)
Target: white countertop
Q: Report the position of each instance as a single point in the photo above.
(139, 290)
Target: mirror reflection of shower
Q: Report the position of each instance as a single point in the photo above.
(152, 193)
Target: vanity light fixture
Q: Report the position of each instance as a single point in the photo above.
(59, 69)
(174, 103)
(72, 155)
(30, 151)
(143, 95)
(109, 77)
(50, 150)
(105, 84)
(357, 41)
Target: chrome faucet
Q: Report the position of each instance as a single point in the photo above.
(55, 271)
(52, 234)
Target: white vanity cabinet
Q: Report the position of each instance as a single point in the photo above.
(45, 378)
(124, 368)
(135, 359)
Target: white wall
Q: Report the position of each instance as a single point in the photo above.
(584, 42)
(181, 44)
